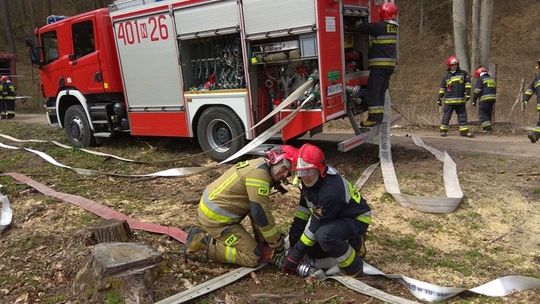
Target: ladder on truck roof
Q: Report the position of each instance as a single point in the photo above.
(119, 5)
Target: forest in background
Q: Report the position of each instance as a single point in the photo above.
(426, 40)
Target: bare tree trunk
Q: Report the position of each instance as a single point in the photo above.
(485, 31)
(460, 32)
(475, 33)
(4, 8)
(49, 7)
(421, 24)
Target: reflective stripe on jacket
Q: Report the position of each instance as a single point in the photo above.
(382, 52)
(239, 192)
(485, 88)
(454, 87)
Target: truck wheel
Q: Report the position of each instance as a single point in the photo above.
(77, 127)
(216, 128)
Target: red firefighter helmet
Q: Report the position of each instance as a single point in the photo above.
(310, 157)
(479, 71)
(4, 78)
(283, 152)
(388, 11)
(452, 60)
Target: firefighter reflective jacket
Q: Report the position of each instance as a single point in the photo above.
(455, 86)
(8, 91)
(331, 197)
(532, 89)
(382, 52)
(485, 89)
(241, 191)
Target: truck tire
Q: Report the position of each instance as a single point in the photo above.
(216, 127)
(77, 127)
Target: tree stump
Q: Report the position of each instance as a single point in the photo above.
(118, 270)
(105, 231)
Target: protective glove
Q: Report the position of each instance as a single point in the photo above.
(525, 102)
(439, 102)
(290, 265)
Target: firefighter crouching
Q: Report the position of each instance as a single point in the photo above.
(7, 102)
(455, 87)
(485, 89)
(332, 218)
(243, 190)
(534, 136)
(381, 60)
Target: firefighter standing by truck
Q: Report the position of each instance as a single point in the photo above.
(534, 136)
(8, 98)
(243, 190)
(455, 87)
(382, 54)
(3, 113)
(485, 90)
(332, 219)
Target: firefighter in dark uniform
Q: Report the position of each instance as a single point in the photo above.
(534, 136)
(8, 96)
(485, 90)
(455, 87)
(3, 113)
(381, 60)
(332, 218)
(243, 190)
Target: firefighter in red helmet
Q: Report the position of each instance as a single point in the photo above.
(243, 190)
(485, 90)
(534, 88)
(332, 218)
(455, 88)
(382, 59)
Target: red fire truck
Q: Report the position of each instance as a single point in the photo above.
(202, 68)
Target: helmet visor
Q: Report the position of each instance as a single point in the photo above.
(307, 172)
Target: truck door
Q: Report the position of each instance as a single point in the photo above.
(54, 68)
(86, 73)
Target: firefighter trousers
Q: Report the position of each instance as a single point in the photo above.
(9, 105)
(232, 244)
(378, 83)
(485, 113)
(461, 112)
(3, 111)
(336, 239)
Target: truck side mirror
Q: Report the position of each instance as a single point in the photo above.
(34, 56)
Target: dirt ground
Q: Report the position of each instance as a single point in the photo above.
(494, 232)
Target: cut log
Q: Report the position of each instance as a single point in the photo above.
(105, 231)
(127, 270)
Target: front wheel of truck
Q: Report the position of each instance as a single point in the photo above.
(77, 127)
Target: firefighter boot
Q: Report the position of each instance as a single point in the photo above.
(466, 134)
(534, 136)
(368, 123)
(196, 241)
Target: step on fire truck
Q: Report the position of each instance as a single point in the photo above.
(202, 68)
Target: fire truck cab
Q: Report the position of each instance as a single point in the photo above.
(202, 68)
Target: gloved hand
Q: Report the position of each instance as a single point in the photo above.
(525, 102)
(474, 103)
(290, 265)
(439, 102)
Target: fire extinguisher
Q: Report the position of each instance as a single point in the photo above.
(275, 103)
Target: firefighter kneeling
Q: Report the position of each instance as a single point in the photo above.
(241, 191)
(332, 218)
